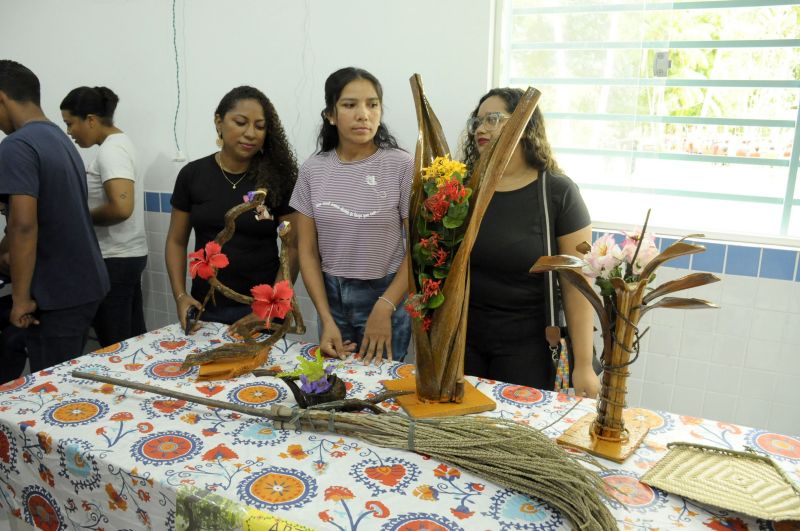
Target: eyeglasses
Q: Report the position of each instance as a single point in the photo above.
(490, 121)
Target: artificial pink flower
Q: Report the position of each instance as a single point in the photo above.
(604, 257)
(205, 262)
(272, 302)
(647, 251)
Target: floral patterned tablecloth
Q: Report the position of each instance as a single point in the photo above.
(82, 455)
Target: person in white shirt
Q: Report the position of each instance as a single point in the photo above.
(115, 203)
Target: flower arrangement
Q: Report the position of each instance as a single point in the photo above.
(267, 302)
(440, 227)
(623, 274)
(313, 374)
(606, 259)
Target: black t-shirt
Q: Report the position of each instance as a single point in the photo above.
(40, 161)
(202, 191)
(505, 299)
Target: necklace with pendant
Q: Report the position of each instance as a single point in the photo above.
(233, 184)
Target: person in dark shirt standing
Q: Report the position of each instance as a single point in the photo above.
(58, 277)
(254, 153)
(506, 319)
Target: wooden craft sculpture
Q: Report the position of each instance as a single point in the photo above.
(440, 350)
(612, 432)
(233, 359)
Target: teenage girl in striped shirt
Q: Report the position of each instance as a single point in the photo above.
(352, 200)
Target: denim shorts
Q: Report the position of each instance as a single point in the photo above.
(351, 301)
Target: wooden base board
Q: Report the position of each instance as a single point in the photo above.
(580, 436)
(474, 401)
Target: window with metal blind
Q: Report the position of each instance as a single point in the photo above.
(690, 108)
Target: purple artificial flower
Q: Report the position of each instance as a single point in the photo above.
(329, 369)
(249, 197)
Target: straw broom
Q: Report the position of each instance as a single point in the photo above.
(508, 454)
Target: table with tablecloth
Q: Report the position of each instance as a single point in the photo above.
(76, 454)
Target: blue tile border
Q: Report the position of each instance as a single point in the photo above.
(152, 202)
(682, 262)
(743, 261)
(778, 264)
(166, 198)
(712, 260)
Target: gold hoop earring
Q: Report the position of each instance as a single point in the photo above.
(219, 141)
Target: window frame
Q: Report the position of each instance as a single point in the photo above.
(505, 46)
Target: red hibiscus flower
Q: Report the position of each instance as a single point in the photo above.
(206, 261)
(272, 302)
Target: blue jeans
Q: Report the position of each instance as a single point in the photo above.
(351, 301)
(121, 314)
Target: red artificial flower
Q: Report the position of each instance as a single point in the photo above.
(272, 302)
(430, 288)
(206, 261)
(437, 205)
(454, 191)
(412, 309)
(430, 243)
(440, 255)
(426, 323)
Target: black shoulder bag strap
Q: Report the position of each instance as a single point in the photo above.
(552, 331)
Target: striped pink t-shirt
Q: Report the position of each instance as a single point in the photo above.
(358, 208)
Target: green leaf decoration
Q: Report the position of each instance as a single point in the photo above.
(313, 369)
(440, 272)
(436, 301)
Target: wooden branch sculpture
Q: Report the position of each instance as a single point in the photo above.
(233, 359)
(440, 352)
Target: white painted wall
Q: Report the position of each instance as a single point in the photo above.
(287, 48)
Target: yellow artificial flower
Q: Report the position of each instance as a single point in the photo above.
(442, 169)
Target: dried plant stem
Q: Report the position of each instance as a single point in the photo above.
(511, 455)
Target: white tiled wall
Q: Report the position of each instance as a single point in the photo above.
(739, 363)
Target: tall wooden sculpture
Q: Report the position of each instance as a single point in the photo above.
(440, 350)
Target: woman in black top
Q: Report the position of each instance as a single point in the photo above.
(505, 332)
(254, 153)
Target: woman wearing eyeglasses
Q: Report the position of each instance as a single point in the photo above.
(507, 310)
